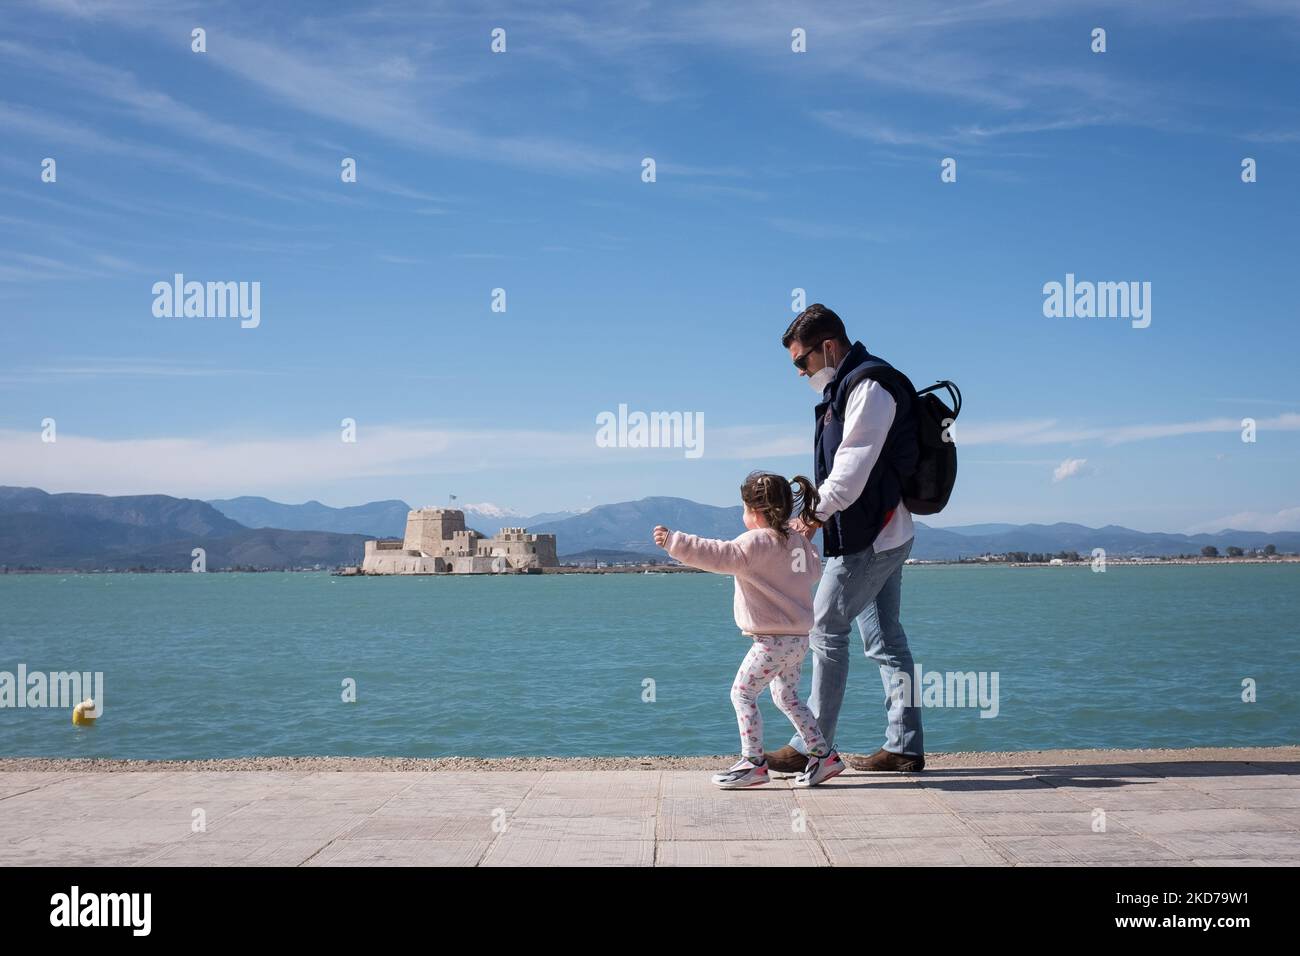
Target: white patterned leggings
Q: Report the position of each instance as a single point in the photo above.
(775, 660)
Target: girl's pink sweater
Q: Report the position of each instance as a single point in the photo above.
(774, 578)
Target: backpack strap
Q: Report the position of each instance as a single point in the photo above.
(953, 392)
(893, 381)
(889, 378)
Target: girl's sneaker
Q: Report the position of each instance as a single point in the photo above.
(745, 773)
(819, 770)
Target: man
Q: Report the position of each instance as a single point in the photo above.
(865, 444)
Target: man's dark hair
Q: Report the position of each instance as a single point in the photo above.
(814, 325)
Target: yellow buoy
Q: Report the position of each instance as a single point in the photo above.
(83, 714)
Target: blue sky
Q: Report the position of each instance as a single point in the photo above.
(522, 170)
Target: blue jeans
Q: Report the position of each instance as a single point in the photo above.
(866, 586)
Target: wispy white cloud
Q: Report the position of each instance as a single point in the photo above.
(885, 133)
(26, 267)
(390, 70)
(1051, 431)
(876, 130)
(222, 464)
(356, 82)
(225, 464)
(57, 131)
(1070, 468)
(82, 369)
(151, 107)
(1274, 136)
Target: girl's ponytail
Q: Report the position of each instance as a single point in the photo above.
(806, 498)
(774, 498)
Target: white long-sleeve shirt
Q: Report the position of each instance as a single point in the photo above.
(867, 416)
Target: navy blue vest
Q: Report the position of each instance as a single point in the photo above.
(855, 528)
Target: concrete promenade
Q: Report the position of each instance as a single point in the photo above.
(1207, 806)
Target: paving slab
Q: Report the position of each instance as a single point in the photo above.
(876, 826)
(1203, 807)
(913, 851)
(214, 853)
(399, 853)
(1280, 843)
(1261, 799)
(1225, 820)
(556, 806)
(734, 853)
(1289, 816)
(1042, 800)
(1050, 823)
(851, 800)
(737, 818)
(469, 829)
(582, 829)
(525, 851)
(1139, 798)
(1112, 846)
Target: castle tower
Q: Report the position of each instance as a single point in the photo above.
(430, 530)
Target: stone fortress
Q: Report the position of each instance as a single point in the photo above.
(437, 542)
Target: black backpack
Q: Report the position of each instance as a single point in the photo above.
(926, 490)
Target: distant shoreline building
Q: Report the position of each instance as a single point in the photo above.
(437, 542)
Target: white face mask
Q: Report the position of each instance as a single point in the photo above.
(820, 379)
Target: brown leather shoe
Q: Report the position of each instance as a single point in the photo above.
(882, 761)
(787, 760)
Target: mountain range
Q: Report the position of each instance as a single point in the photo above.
(100, 532)
(378, 519)
(157, 532)
(627, 527)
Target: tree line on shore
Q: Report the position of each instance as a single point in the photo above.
(1209, 551)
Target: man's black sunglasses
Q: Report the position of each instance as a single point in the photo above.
(801, 362)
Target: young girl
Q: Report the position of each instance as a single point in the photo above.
(775, 569)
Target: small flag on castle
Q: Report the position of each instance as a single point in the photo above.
(452, 497)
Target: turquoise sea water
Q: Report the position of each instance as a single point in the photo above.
(223, 665)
